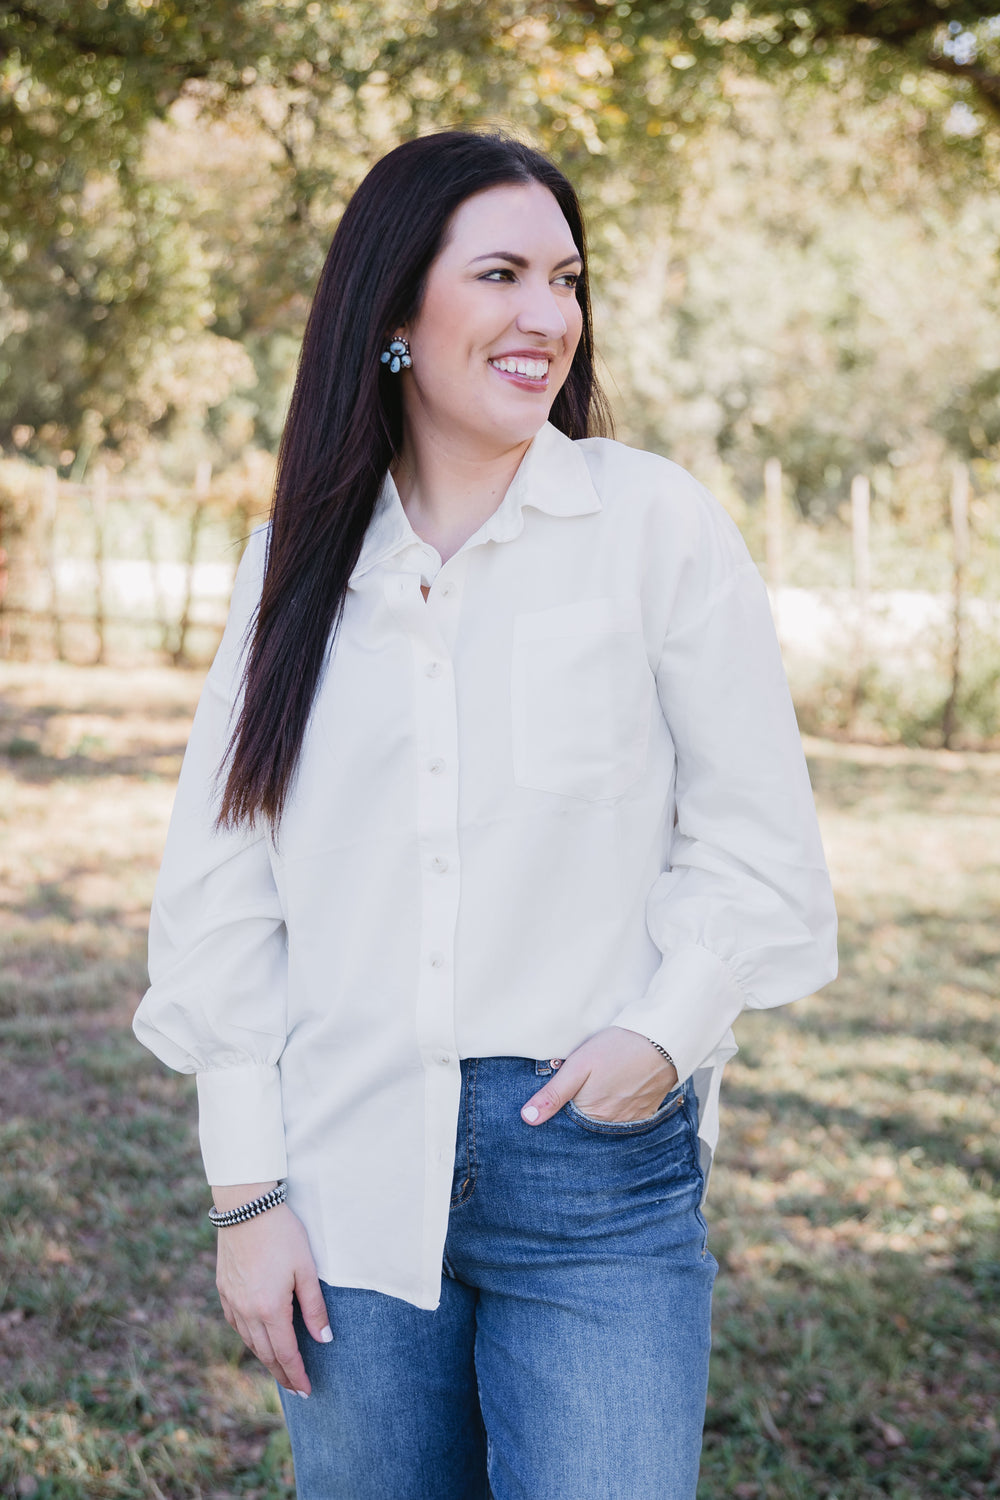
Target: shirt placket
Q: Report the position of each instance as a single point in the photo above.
(431, 627)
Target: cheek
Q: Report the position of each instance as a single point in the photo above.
(445, 343)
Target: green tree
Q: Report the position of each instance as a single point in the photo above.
(123, 281)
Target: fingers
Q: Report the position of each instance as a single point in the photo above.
(312, 1306)
(561, 1086)
(274, 1345)
(285, 1362)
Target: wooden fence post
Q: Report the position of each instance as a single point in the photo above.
(50, 512)
(99, 506)
(860, 512)
(160, 610)
(960, 557)
(4, 576)
(861, 578)
(774, 549)
(202, 485)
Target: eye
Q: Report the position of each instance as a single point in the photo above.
(500, 273)
(570, 279)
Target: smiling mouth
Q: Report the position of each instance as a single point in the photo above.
(528, 369)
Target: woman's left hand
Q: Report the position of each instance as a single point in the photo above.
(615, 1074)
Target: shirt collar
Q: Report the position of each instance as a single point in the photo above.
(552, 476)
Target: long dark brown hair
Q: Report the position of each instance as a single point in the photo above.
(345, 426)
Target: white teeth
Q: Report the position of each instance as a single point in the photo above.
(534, 369)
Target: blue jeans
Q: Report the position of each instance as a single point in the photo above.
(569, 1354)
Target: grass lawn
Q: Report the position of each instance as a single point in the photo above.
(853, 1207)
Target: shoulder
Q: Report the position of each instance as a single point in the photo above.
(255, 551)
(612, 463)
(250, 572)
(668, 499)
(243, 604)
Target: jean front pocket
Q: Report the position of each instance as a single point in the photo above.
(670, 1106)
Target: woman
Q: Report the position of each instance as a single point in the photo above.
(512, 822)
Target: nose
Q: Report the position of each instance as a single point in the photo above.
(540, 313)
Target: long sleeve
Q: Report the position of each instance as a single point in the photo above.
(744, 913)
(216, 1004)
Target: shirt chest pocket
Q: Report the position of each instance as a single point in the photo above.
(581, 697)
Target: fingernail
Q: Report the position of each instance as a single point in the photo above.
(326, 1335)
(303, 1394)
(529, 1113)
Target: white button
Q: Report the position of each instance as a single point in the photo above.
(433, 669)
(439, 862)
(436, 960)
(436, 765)
(447, 589)
(444, 1058)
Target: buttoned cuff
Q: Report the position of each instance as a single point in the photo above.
(688, 1008)
(240, 1124)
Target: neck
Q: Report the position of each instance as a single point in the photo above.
(447, 490)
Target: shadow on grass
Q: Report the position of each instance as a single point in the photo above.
(943, 1142)
(858, 1378)
(36, 769)
(60, 958)
(844, 1368)
(27, 729)
(902, 781)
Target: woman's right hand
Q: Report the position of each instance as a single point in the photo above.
(261, 1265)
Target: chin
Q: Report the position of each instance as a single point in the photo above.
(521, 426)
(513, 437)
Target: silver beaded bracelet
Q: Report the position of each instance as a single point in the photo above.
(226, 1218)
(663, 1052)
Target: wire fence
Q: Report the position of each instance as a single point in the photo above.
(105, 570)
(113, 571)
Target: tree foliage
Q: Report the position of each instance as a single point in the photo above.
(172, 171)
(80, 77)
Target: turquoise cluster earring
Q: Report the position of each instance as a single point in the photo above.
(397, 356)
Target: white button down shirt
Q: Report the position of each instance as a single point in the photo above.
(564, 792)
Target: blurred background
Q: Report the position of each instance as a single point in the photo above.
(795, 229)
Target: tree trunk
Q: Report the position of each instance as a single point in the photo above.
(99, 503)
(202, 484)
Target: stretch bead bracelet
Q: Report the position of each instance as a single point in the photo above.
(225, 1219)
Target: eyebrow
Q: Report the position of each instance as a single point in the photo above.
(520, 261)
